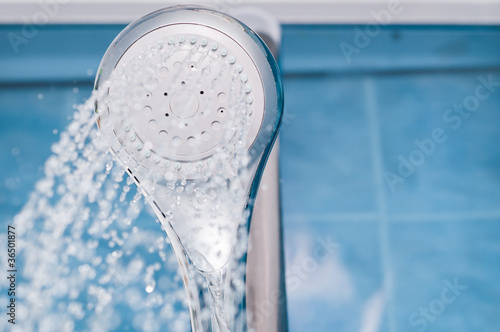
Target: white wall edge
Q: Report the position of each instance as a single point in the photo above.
(472, 12)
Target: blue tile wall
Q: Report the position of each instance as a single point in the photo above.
(361, 255)
(430, 255)
(457, 175)
(439, 225)
(326, 148)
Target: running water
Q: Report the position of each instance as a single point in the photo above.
(84, 261)
(177, 117)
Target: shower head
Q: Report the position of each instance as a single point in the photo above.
(190, 101)
(208, 68)
(190, 94)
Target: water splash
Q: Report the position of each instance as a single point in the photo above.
(87, 263)
(189, 155)
(83, 261)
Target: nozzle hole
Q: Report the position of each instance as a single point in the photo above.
(222, 97)
(205, 136)
(165, 94)
(167, 115)
(202, 92)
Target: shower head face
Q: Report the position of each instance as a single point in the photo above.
(182, 112)
(189, 101)
(188, 77)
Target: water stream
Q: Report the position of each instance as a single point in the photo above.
(86, 263)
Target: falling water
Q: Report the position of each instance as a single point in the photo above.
(187, 150)
(86, 260)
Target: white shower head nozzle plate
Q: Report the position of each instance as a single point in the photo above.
(181, 84)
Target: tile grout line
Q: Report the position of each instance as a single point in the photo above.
(353, 217)
(396, 218)
(446, 217)
(376, 150)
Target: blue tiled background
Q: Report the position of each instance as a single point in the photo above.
(422, 257)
